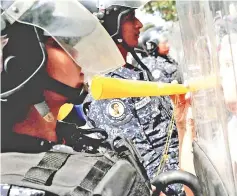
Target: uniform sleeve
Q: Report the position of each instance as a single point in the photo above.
(174, 70)
(156, 67)
(162, 70)
(179, 75)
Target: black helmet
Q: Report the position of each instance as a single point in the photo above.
(150, 39)
(110, 13)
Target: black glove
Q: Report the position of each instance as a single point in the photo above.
(87, 140)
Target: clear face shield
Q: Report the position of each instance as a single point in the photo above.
(210, 46)
(124, 3)
(77, 31)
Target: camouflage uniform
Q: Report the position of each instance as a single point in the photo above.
(163, 69)
(7, 190)
(144, 120)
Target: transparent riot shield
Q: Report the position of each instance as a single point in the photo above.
(210, 49)
(176, 47)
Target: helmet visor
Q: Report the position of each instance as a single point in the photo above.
(77, 31)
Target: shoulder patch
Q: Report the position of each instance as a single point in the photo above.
(116, 109)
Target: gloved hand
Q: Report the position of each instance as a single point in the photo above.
(88, 140)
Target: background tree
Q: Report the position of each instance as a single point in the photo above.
(166, 8)
(147, 26)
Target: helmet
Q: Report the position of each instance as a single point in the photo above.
(75, 29)
(150, 39)
(111, 12)
(55, 19)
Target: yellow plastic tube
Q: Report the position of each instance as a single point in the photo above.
(64, 111)
(109, 88)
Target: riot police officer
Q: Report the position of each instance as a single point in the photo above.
(162, 66)
(148, 121)
(41, 68)
(43, 65)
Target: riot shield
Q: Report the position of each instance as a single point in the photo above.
(210, 46)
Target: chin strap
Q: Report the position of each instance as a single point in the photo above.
(133, 53)
(119, 40)
(75, 95)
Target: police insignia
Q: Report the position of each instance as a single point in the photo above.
(142, 103)
(116, 109)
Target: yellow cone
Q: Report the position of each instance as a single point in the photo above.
(64, 111)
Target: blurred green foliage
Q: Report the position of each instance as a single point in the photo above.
(167, 9)
(147, 26)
